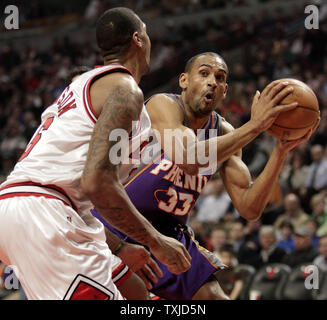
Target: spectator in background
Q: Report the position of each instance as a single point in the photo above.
(92, 10)
(268, 252)
(7, 163)
(214, 203)
(218, 238)
(230, 279)
(321, 260)
(264, 146)
(285, 235)
(13, 139)
(229, 218)
(235, 235)
(250, 244)
(293, 212)
(322, 230)
(304, 249)
(77, 71)
(313, 227)
(317, 174)
(319, 213)
(199, 232)
(294, 174)
(281, 70)
(30, 125)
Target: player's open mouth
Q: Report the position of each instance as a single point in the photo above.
(208, 98)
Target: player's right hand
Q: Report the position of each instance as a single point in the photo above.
(140, 261)
(172, 253)
(266, 105)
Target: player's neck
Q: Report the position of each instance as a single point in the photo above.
(194, 121)
(129, 64)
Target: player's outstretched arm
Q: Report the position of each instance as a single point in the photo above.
(250, 198)
(122, 104)
(165, 115)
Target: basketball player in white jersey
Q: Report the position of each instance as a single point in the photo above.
(47, 233)
(131, 263)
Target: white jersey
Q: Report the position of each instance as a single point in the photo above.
(56, 154)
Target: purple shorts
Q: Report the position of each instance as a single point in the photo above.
(182, 286)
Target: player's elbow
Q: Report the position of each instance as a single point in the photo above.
(94, 185)
(250, 214)
(89, 186)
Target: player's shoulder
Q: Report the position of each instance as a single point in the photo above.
(118, 86)
(120, 82)
(226, 126)
(166, 104)
(119, 78)
(162, 98)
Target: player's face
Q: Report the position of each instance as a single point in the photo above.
(206, 84)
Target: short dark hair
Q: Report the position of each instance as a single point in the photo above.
(76, 71)
(227, 247)
(287, 224)
(114, 30)
(191, 61)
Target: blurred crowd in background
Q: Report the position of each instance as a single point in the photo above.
(265, 46)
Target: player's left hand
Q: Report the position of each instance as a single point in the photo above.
(287, 146)
(140, 261)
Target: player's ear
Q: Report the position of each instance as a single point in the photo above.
(136, 39)
(183, 80)
(225, 91)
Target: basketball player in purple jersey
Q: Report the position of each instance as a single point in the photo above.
(165, 191)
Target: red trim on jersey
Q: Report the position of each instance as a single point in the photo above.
(84, 291)
(124, 277)
(30, 183)
(34, 194)
(87, 103)
(100, 66)
(118, 269)
(85, 106)
(88, 95)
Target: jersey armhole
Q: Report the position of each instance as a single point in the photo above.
(86, 90)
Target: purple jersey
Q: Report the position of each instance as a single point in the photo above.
(163, 192)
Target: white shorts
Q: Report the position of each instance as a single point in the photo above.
(54, 253)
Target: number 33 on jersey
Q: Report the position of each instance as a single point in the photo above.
(163, 188)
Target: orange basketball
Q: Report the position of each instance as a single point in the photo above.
(294, 124)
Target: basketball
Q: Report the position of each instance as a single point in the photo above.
(294, 124)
